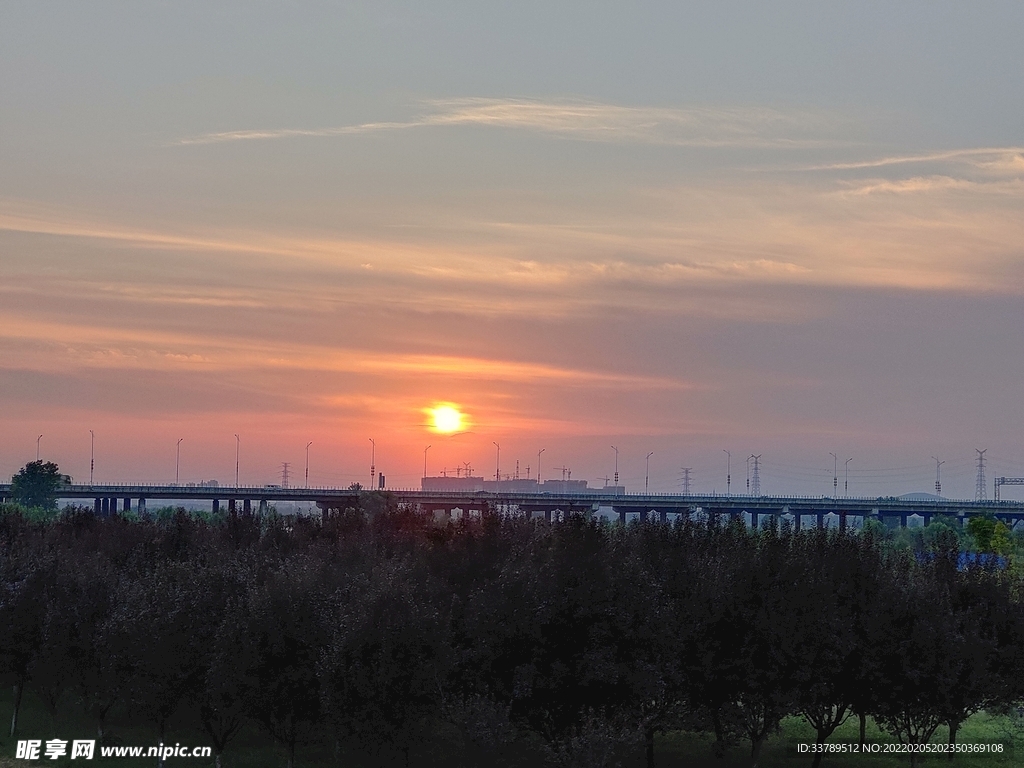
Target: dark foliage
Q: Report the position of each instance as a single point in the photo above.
(388, 639)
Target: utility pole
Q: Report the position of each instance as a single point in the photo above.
(616, 466)
(728, 473)
(92, 454)
(177, 459)
(373, 467)
(846, 481)
(37, 446)
(938, 480)
(285, 474)
(538, 463)
(757, 474)
(979, 489)
(307, 462)
(647, 473)
(748, 473)
(425, 460)
(237, 444)
(835, 475)
(686, 480)
(497, 463)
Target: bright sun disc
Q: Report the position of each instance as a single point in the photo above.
(445, 418)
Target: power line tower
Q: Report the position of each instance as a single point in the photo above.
(756, 479)
(979, 488)
(285, 473)
(686, 480)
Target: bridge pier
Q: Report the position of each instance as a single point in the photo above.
(247, 507)
(127, 504)
(232, 507)
(97, 507)
(820, 520)
(105, 506)
(142, 507)
(216, 506)
(264, 508)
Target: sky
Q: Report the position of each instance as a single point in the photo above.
(789, 229)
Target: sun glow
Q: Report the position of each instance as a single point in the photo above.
(446, 419)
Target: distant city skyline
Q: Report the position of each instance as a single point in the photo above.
(788, 230)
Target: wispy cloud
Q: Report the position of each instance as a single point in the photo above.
(589, 121)
(47, 345)
(1012, 157)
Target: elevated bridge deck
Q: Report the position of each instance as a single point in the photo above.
(107, 499)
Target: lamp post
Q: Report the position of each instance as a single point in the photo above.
(497, 463)
(846, 480)
(538, 463)
(938, 480)
(425, 461)
(647, 472)
(728, 472)
(307, 462)
(238, 442)
(835, 475)
(373, 467)
(92, 454)
(177, 458)
(37, 446)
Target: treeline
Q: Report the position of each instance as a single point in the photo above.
(499, 641)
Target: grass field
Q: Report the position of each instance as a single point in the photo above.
(254, 749)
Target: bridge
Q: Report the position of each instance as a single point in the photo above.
(891, 511)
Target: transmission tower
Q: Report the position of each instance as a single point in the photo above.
(979, 488)
(285, 473)
(686, 480)
(756, 478)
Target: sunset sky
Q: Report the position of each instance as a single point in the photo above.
(786, 229)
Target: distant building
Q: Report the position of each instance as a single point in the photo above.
(515, 486)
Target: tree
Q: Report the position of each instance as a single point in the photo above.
(36, 485)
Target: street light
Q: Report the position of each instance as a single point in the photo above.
(846, 481)
(728, 472)
(497, 463)
(37, 446)
(307, 462)
(373, 467)
(92, 454)
(538, 463)
(177, 457)
(835, 475)
(238, 443)
(938, 480)
(425, 460)
(647, 473)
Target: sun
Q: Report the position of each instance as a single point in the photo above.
(446, 419)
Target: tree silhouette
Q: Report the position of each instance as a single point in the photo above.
(36, 485)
